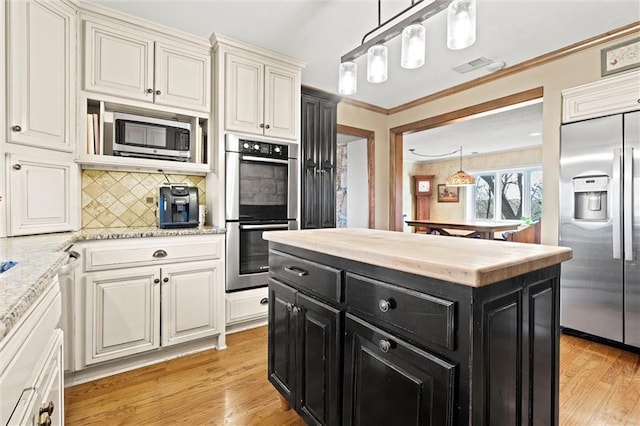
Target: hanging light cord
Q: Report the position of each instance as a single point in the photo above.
(413, 151)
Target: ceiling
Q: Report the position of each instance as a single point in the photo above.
(320, 32)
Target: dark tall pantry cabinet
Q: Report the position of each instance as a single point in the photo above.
(318, 159)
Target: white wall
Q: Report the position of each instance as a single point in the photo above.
(357, 186)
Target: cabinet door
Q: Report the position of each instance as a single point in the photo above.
(41, 62)
(320, 348)
(244, 98)
(282, 340)
(182, 77)
(388, 381)
(40, 195)
(190, 296)
(281, 97)
(327, 155)
(309, 197)
(118, 61)
(122, 312)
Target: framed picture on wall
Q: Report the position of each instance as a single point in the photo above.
(448, 194)
(620, 57)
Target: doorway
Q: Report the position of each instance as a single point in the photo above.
(355, 178)
(397, 142)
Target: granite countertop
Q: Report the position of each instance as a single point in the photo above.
(469, 261)
(39, 257)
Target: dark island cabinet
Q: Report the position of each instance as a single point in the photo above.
(390, 382)
(304, 353)
(318, 159)
(351, 343)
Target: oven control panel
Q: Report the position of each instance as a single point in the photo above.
(263, 148)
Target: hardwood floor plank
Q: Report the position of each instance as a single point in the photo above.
(599, 385)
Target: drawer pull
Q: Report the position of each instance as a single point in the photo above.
(384, 345)
(44, 419)
(47, 409)
(289, 307)
(296, 271)
(385, 305)
(159, 254)
(264, 301)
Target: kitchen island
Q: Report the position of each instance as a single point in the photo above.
(381, 327)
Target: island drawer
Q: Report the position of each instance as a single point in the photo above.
(418, 316)
(317, 278)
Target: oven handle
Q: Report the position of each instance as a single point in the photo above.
(274, 226)
(263, 159)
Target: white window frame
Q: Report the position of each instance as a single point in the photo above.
(470, 207)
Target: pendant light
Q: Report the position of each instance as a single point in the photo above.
(377, 64)
(348, 81)
(461, 178)
(413, 46)
(461, 24)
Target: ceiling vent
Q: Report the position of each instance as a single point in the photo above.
(473, 65)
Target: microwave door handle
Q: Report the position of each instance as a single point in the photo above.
(263, 159)
(271, 226)
(628, 204)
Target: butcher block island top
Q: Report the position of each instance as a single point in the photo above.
(472, 262)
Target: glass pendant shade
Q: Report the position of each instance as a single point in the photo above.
(461, 24)
(348, 80)
(460, 179)
(377, 64)
(413, 46)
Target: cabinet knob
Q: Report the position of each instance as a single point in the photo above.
(159, 254)
(262, 125)
(267, 126)
(384, 345)
(264, 301)
(149, 90)
(158, 92)
(289, 307)
(385, 305)
(165, 280)
(156, 281)
(47, 409)
(16, 128)
(44, 419)
(17, 166)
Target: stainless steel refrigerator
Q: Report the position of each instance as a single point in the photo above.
(600, 221)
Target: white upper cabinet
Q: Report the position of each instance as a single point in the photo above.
(260, 90)
(41, 62)
(41, 194)
(610, 95)
(261, 99)
(121, 61)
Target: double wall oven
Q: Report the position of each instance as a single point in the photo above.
(261, 195)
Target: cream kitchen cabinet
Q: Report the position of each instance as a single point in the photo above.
(42, 194)
(41, 63)
(261, 99)
(259, 89)
(135, 296)
(122, 61)
(611, 95)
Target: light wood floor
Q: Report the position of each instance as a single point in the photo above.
(599, 385)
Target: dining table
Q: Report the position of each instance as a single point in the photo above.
(477, 228)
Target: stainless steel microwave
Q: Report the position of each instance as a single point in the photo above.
(146, 137)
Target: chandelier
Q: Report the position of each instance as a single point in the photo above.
(461, 33)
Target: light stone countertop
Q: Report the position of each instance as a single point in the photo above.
(470, 261)
(39, 257)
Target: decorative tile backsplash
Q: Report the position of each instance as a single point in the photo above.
(112, 199)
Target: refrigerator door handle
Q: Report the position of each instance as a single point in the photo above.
(628, 204)
(615, 204)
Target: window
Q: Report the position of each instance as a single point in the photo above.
(506, 195)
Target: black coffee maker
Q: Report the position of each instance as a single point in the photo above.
(178, 206)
